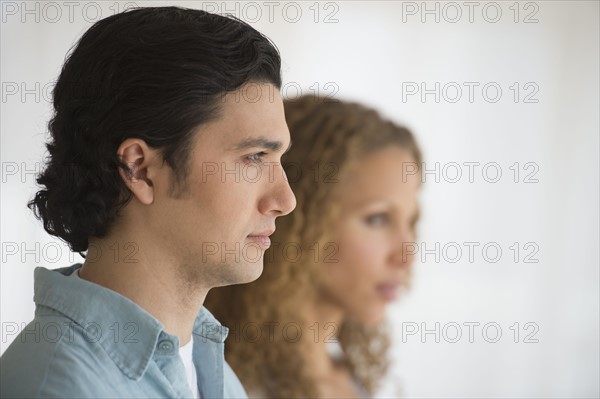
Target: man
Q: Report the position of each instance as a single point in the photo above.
(164, 166)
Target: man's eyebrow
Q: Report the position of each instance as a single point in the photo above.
(261, 142)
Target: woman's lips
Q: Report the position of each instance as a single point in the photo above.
(388, 291)
(262, 241)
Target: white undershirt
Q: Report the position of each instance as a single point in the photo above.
(186, 353)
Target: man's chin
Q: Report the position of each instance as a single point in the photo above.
(242, 273)
(252, 272)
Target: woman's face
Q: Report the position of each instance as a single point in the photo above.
(378, 200)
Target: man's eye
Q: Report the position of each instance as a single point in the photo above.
(257, 157)
(378, 219)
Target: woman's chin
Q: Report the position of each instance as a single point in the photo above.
(373, 318)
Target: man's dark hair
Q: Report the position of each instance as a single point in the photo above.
(151, 73)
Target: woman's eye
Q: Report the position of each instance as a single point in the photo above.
(257, 157)
(377, 219)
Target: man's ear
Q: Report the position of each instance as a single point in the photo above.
(141, 161)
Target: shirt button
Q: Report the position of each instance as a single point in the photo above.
(165, 346)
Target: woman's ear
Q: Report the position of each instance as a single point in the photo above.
(139, 159)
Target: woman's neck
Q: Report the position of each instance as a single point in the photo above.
(322, 324)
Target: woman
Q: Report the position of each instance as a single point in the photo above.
(334, 262)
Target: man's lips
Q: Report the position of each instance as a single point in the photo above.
(266, 232)
(263, 241)
(261, 238)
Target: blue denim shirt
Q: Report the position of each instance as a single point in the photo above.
(87, 341)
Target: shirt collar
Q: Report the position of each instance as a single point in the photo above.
(127, 332)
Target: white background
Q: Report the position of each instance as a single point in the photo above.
(372, 52)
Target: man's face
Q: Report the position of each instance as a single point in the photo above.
(236, 188)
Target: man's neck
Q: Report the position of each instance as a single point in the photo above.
(141, 273)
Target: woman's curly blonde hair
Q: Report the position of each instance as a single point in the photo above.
(266, 355)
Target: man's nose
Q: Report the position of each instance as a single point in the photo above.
(281, 199)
